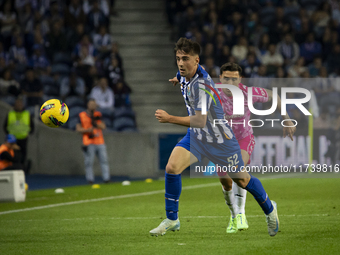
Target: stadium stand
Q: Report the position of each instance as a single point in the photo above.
(67, 45)
(305, 34)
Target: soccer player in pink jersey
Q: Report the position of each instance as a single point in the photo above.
(230, 73)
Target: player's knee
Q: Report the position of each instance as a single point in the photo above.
(242, 182)
(227, 183)
(172, 168)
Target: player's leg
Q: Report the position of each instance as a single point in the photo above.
(89, 152)
(254, 186)
(104, 164)
(240, 198)
(229, 198)
(179, 160)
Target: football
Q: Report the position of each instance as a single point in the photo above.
(54, 113)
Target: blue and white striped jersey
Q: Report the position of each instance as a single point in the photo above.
(199, 94)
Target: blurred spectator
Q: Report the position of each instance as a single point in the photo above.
(32, 88)
(326, 42)
(249, 66)
(321, 17)
(56, 40)
(55, 12)
(310, 48)
(38, 60)
(8, 19)
(278, 25)
(102, 40)
(72, 86)
(122, 94)
(3, 54)
(74, 14)
(314, 68)
(26, 18)
(289, 50)
(114, 54)
(297, 69)
(333, 60)
(240, 50)
(211, 68)
(75, 36)
(263, 46)
(96, 17)
(272, 59)
(302, 33)
(103, 94)
(262, 72)
(86, 57)
(323, 121)
(18, 54)
(208, 52)
(19, 123)
(8, 85)
(189, 19)
(85, 51)
(103, 5)
(114, 72)
(224, 56)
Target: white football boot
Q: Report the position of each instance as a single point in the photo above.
(165, 226)
(273, 221)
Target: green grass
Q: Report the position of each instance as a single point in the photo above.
(308, 209)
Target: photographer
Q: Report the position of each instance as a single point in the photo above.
(91, 127)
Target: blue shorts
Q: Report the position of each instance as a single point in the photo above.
(224, 154)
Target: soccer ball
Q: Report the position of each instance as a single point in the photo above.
(54, 113)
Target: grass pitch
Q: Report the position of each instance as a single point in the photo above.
(110, 221)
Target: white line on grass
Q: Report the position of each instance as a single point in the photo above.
(183, 217)
(107, 198)
(124, 196)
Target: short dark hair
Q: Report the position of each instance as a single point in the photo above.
(188, 46)
(232, 67)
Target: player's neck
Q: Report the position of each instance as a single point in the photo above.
(192, 74)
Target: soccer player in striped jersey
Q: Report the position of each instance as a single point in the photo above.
(217, 143)
(230, 73)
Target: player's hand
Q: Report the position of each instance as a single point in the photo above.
(162, 116)
(289, 130)
(174, 81)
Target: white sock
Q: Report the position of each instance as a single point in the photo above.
(230, 201)
(240, 197)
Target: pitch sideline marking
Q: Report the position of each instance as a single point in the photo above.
(121, 196)
(183, 217)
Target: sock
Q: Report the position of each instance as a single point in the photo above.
(173, 188)
(240, 198)
(230, 201)
(256, 189)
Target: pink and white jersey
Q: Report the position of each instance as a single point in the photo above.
(242, 129)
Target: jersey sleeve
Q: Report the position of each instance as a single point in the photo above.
(259, 95)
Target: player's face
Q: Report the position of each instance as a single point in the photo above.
(230, 77)
(187, 64)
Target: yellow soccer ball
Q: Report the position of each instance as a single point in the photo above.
(54, 113)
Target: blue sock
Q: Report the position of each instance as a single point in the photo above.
(256, 189)
(173, 188)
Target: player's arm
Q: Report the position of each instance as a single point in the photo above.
(174, 81)
(286, 130)
(196, 121)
